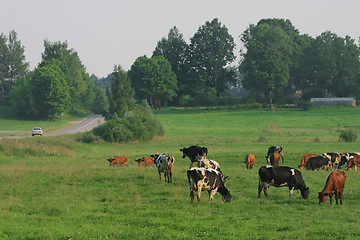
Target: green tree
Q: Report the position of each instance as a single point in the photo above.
(210, 51)
(81, 86)
(12, 64)
(174, 49)
(153, 79)
(121, 95)
(332, 66)
(267, 60)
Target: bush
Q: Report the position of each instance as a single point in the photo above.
(348, 135)
(138, 124)
(89, 137)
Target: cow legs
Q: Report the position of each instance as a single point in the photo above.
(192, 195)
(262, 186)
(212, 193)
(160, 176)
(291, 190)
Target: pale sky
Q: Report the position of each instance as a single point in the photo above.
(116, 32)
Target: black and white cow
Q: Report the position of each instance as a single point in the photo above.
(201, 179)
(345, 159)
(334, 157)
(319, 162)
(164, 164)
(275, 149)
(195, 153)
(280, 177)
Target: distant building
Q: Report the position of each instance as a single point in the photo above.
(345, 101)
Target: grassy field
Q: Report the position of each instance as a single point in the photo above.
(58, 188)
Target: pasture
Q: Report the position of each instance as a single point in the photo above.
(59, 188)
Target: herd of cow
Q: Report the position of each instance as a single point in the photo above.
(208, 175)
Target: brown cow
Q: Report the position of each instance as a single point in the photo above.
(118, 161)
(335, 184)
(274, 159)
(249, 161)
(354, 161)
(305, 158)
(145, 161)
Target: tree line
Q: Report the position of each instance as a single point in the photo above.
(275, 62)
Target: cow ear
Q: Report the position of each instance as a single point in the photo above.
(181, 150)
(226, 177)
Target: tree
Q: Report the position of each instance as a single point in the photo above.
(153, 79)
(174, 49)
(12, 64)
(210, 51)
(81, 86)
(121, 95)
(332, 66)
(267, 60)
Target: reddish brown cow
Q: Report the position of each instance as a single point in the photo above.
(145, 161)
(305, 158)
(249, 161)
(118, 161)
(335, 184)
(354, 161)
(274, 159)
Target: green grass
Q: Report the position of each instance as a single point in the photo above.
(58, 188)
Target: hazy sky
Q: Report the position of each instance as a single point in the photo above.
(111, 32)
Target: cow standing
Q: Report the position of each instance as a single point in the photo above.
(354, 161)
(305, 159)
(118, 161)
(274, 159)
(250, 161)
(275, 149)
(280, 177)
(201, 179)
(334, 157)
(335, 184)
(319, 162)
(195, 153)
(145, 161)
(165, 164)
(345, 159)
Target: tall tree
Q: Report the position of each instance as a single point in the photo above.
(267, 60)
(210, 51)
(12, 64)
(174, 49)
(153, 79)
(121, 95)
(80, 83)
(332, 66)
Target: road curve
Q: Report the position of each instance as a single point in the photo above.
(81, 126)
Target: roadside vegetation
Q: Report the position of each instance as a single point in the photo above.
(60, 188)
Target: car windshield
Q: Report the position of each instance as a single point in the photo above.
(37, 129)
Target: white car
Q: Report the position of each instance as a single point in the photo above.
(37, 131)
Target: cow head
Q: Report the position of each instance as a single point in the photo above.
(111, 160)
(226, 197)
(322, 197)
(305, 193)
(183, 150)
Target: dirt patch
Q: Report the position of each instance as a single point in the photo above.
(157, 138)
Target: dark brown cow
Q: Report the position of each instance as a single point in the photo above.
(250, 161)
(354, 161)
(335, 184)
(118, 161)
(274, 159)
(305, 159)
(145, 161)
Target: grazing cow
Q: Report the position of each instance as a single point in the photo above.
(354, 161)
(334, 157)
(279, 177)
(201, 179)
(335, 184)
(250, 161)
(274, 159)
(319, 162)
(345, 159)
(275, 149)
(118, 161)
(195, 153)
(145, 161)
(305, 159)
(165, 164)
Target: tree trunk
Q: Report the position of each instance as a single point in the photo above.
(270, 99)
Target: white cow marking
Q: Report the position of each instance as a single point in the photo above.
(292, 171)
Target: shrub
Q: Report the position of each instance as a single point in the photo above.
(348, 135)
(138, 124)
(89, 137)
